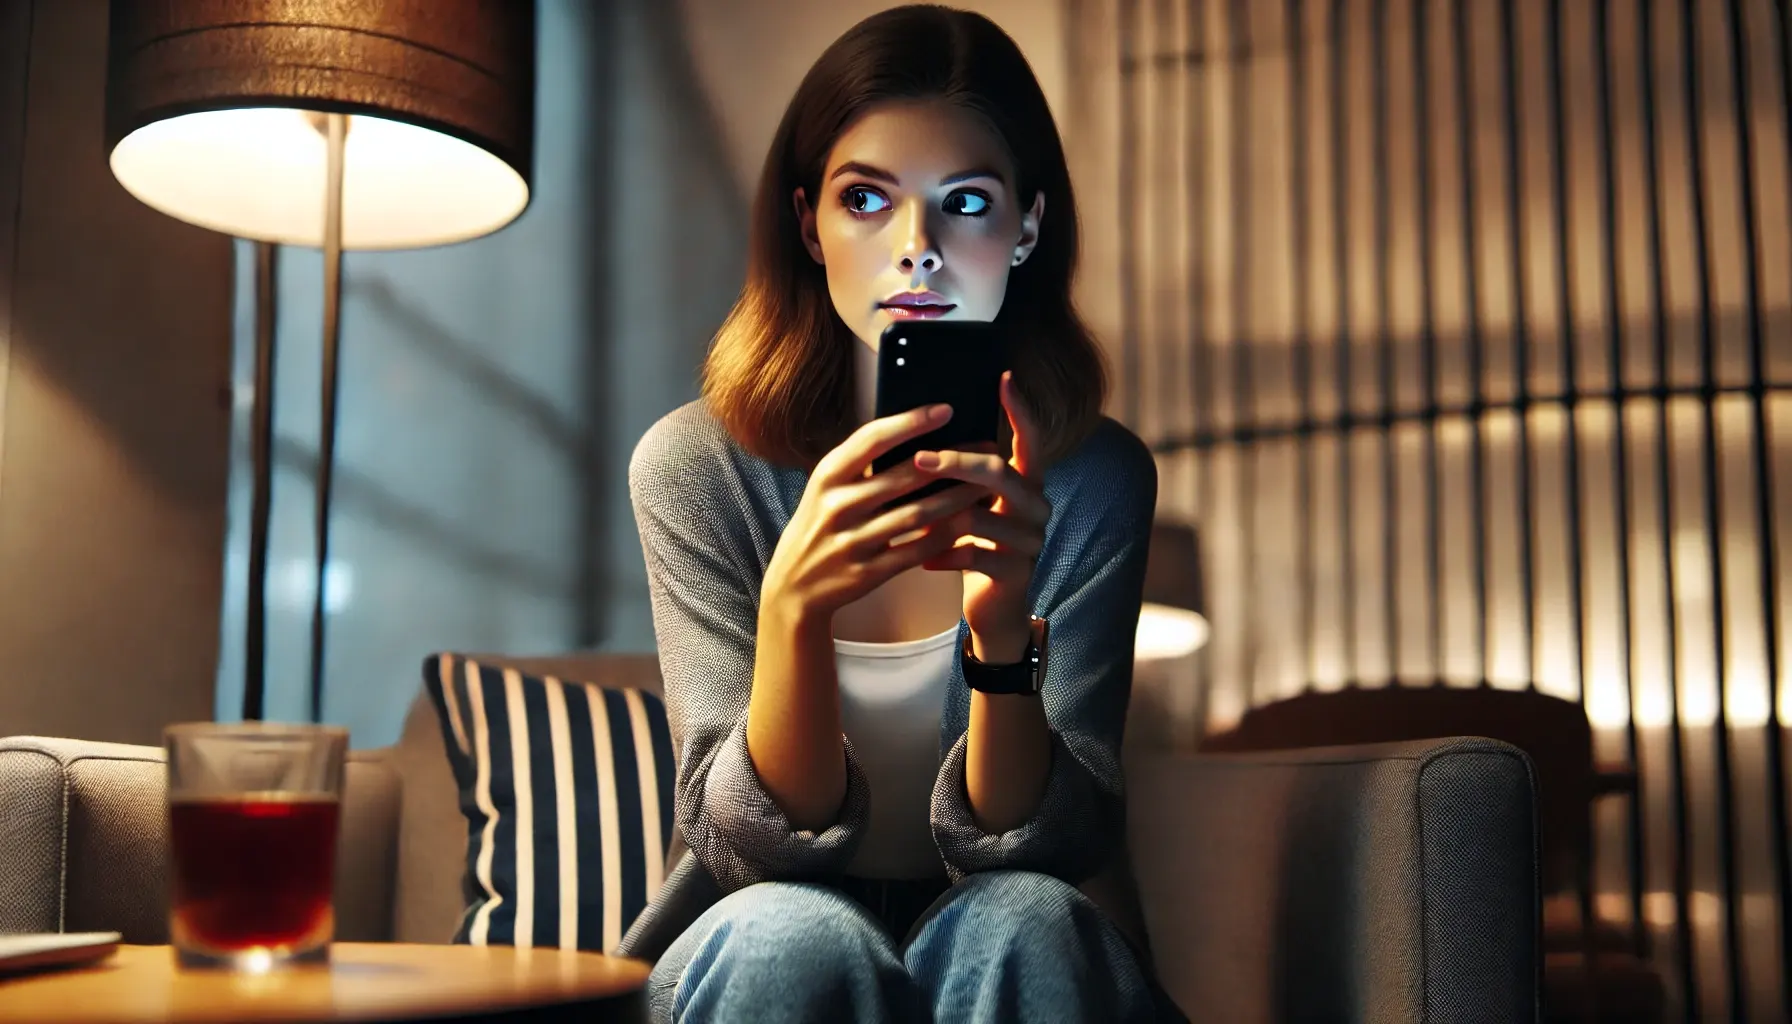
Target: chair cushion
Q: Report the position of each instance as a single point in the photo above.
(566, 788)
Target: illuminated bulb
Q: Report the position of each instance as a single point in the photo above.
(259, 173)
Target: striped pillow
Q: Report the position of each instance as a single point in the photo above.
(567, 791)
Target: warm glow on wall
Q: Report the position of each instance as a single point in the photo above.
(1464, 331)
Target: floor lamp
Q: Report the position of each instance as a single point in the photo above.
(338, 124)
(1172, 625)
(1173, 617)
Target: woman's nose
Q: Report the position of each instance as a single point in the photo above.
(928, 261)
(917, 251)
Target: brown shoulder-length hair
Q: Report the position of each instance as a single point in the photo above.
(779, 374)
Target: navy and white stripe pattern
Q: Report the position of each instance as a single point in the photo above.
(567, 790)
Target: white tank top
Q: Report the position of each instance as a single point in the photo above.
(891, 697)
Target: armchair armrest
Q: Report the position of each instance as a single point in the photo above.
(84, 840)
(1372, 883)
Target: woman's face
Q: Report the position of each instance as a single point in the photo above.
(917, 217)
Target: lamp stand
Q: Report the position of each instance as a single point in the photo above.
(261, 460)
(336, 131)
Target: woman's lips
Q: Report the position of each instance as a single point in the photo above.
(917, 305)
(926, 311)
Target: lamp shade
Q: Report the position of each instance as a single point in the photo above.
(212, 114)
(1172, 620)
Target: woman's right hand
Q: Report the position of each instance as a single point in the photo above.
(837, 547)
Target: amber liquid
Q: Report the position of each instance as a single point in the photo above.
(253, 871)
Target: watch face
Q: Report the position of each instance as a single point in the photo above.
(1041, 644)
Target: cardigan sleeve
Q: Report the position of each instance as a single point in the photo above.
(1088, 582)
(703, 582)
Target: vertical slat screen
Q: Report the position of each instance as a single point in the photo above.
(1464, 331)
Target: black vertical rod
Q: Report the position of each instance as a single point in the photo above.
(336, 130)
(1614, 357)
(1465, 142)
(1569, 342)
(1713, 514)
(261, 503)
(1421, 60)
(1163, 228)
(1565, 291)
(1300, 201)
(1664, 493)
(1341, 267)
(1129, 228)
(1764, 504)
(1199, 200)
(1384, 345)
(1238, 42)
(1521, 335)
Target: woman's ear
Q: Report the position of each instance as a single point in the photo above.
(1029, 229)
(805, 223)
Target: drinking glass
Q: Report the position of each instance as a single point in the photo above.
(252, 820)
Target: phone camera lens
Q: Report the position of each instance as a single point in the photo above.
(899, 360)
(901, 341)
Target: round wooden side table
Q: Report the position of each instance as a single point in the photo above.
(364, 981)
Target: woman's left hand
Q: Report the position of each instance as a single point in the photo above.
(1002, 543)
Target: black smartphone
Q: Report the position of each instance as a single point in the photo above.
(924, 362)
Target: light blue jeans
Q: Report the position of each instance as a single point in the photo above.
(999, 946)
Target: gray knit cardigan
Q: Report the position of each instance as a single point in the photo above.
(710, 514)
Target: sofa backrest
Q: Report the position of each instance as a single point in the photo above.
(84, 840)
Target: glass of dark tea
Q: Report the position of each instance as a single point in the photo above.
(252, 820)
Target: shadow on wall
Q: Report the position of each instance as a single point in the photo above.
(665, 229)
(668, 233)
(596, 522)
(1177, 405)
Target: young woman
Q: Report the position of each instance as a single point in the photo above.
(888, 809)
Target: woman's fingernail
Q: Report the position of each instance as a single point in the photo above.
(939, 412)
(927, 460)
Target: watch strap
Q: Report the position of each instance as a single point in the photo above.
(1025, 676)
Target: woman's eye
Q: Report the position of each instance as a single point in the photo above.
(968, 203)
(862, 200)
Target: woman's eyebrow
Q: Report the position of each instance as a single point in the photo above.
(975, 172)
(879, 174)
(864, 170)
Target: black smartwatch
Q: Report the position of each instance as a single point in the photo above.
(1024, 676)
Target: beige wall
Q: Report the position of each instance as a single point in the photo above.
(15, 20)
(112, 425)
